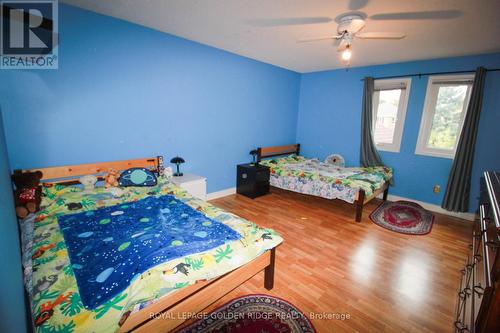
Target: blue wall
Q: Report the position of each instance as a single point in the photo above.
(124, 91)
(12, 301)
(330, 119)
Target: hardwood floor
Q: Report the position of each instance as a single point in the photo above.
(329, 264)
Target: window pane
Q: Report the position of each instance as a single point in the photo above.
(446, 122)
(387, 112)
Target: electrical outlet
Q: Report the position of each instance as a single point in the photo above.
(436, 189)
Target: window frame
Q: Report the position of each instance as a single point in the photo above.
(391, 84)
(431, 96)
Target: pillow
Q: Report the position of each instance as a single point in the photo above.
(137, 177)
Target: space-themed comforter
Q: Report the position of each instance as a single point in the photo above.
(313, 177)
(90, 258)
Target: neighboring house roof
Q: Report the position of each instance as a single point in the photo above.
(384, 134)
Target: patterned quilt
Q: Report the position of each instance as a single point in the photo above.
(50, 270)
(310, 176)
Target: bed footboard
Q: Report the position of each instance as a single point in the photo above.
(359, 203)
(170, 311)
(362, 199)
(269, 271)
(386, 193)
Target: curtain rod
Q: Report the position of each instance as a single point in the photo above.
(433, 73)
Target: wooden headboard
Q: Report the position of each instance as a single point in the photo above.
(263, 152)
(69, 174)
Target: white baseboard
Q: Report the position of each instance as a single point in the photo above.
(222, 193)
(433, 208)
(391, 197)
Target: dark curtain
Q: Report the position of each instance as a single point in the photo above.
(369, 155)
(456, 197)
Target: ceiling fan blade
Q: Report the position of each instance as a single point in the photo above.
(275, 22)
(342, 45)
(305, 40)
(424, 15)
(357, 4)
(380, 35)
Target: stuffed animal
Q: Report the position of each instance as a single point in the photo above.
(117, 192)
(28, 193)
(336, 160)
(111, 179)
(88, 182)
(168, 172)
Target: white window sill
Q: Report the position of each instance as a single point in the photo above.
(436, 153)
(388, 149)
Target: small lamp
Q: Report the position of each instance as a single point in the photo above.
(177, 161)
(254, 153)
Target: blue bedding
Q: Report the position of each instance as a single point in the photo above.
(109, 246)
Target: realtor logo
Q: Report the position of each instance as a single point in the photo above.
(29, 34)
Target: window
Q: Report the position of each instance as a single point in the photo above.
(445, 107)
(390, 100)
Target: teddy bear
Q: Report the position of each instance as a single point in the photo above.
(111, 178)
(28, 192)
(116, 192)
(88, 182)
(168, 172)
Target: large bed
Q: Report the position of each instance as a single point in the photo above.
(355, 185)
(183, 253)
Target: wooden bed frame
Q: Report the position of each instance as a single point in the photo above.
(69, 174)
(173, 309)
(361, 198)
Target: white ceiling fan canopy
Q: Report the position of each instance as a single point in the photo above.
(350, 23)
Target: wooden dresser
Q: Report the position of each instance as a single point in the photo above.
(478, 305)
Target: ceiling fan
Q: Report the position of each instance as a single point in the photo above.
(350, 26)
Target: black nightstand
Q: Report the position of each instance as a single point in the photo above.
(252, 180)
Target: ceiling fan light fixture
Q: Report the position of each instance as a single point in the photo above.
(347, 53)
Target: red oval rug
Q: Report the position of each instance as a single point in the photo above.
(404, 217)
(254, 313)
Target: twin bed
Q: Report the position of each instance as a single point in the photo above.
(310, 176)
(141, 259)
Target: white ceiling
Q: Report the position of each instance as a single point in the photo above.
(252, 28)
